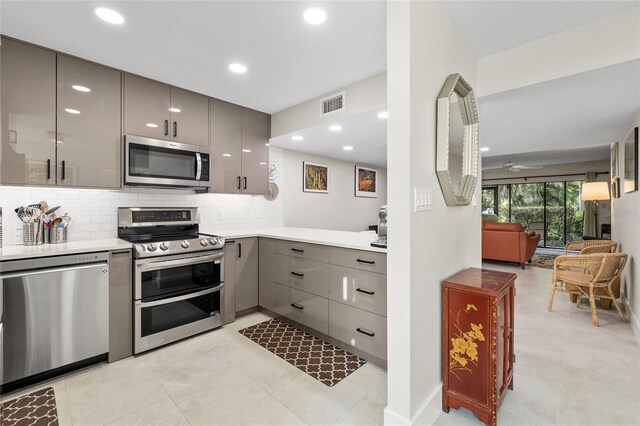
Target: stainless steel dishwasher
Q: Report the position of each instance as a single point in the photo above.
(56, 313)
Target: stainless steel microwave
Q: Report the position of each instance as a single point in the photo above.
(154, 162)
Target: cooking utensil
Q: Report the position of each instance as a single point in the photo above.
(66, 219)
(44, 206)
(57, 222)
(48, 212)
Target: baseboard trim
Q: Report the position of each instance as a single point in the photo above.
(633, 320)
(426, 414)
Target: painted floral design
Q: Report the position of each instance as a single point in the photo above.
(464, 349)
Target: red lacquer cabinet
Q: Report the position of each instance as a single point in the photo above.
(477, 341)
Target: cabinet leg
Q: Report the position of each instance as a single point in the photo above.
(446, 410)
(510, 387)
(573, 297)
(523, 265)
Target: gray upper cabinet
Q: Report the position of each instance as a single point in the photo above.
(238, 143)
(189, 117)
(88, 124)
(226, 146)
(256, 129)
(28, 96)
(157, 110)
(146, 107)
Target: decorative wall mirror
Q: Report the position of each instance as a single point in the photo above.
(457, 147)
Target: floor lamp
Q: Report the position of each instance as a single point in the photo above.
(595, 191)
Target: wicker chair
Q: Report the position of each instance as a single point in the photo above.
(592, 247)
(584, 274)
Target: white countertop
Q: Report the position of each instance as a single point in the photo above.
(325, 237)
(72, 247)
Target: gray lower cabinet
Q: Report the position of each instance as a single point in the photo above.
(120, 305)
(246, 273)
(89, 131)
(229, 281)
(28, 87)
(309, 284)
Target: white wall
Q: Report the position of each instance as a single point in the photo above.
(360, 97)
(424, 46)
(94, 211)
(339, 209)
(626, 231)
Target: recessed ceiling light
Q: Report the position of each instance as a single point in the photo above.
(335, 128)
(384, 115)
(297, 138)
(263, 164)
(226, 155)
(72, 111)
(153, 125)
(267, 144)
(238, 68)
(172, 109)
(80, 88)
(348, 148)
(315, 16)
(108, 15)
(246, 150)
(484, 149)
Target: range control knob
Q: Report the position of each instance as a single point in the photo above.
(184, 244)
(213, 241)
(203, 242)
(164, 246)
(152, 247)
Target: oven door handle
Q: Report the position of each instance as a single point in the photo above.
(146, 265)
(179, 298)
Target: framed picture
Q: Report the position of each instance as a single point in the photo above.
(615, 174)
(315, 177)
(631, 162)
(366, 182)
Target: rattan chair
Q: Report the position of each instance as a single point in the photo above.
(584, 274)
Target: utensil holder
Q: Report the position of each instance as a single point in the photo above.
(57, 235)
(32, 234)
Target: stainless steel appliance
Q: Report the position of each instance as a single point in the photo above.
(178, 275)
(153, 162)
(381, 241)
(55, 313)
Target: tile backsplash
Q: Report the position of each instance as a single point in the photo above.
(94, 212)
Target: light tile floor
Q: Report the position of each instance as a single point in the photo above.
(567, 372)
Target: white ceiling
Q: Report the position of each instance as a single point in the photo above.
(190, 44)
(586, 109)
(365, 132)
(546, 158)
(493, 26)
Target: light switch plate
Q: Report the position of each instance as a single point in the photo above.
(422, 199)
(474, 203)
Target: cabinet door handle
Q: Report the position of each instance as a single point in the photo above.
(370, 293)
(239, 180)
(368, 333)
(119, 253)
(175, 129)
(64, 174)
(245, 182)
(297, 274)
(297, 250)
(295, 305)
(368, 262)
(229, 241)
(48, 168)
(166, 127)
(239, 249)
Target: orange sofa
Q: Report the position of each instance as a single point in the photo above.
(508, 242)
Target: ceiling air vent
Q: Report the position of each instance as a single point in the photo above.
(332, 104)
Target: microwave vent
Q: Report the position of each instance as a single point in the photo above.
(332, 104)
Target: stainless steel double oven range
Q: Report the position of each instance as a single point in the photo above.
(178, 274)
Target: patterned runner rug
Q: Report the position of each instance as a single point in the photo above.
(37, 408)
(317, 358)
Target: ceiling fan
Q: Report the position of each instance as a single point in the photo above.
(514, 167)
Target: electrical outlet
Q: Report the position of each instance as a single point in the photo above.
(422, 199)
(220, 215)
(474, 203)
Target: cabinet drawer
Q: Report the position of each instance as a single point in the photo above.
(362, 289)
(351, 325)
(303, 251)
(365, 260)
(303, 274)
(305, 308)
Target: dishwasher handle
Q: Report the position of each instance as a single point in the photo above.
(26, 273)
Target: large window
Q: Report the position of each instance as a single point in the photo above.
(550, 208)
